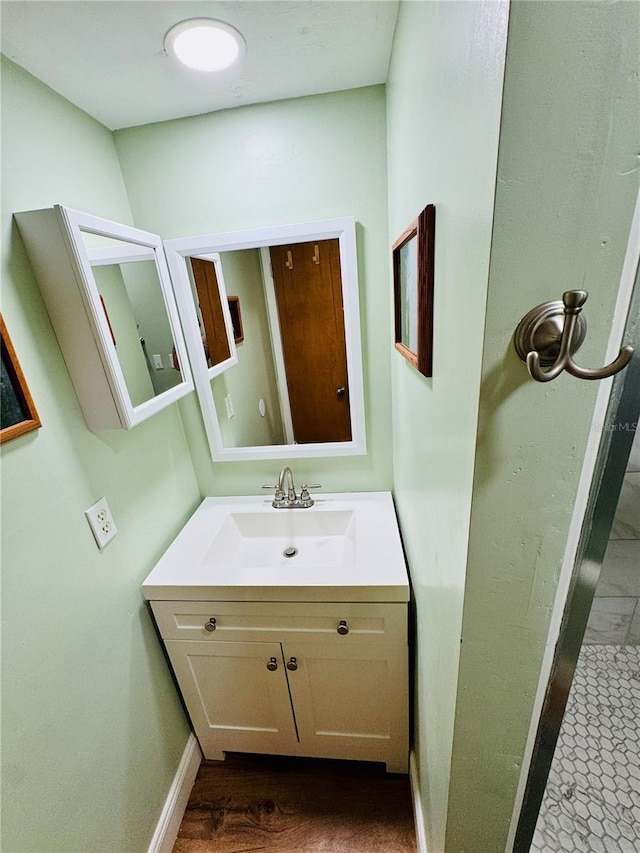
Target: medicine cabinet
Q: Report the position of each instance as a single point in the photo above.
(107, 289)
(270, 318)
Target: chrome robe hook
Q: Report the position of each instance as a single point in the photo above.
(551, 333)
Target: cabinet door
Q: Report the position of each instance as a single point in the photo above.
(235, 702)
(351, 702)
(111, 302)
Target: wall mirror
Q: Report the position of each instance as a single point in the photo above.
(292, 384)
(110, 299)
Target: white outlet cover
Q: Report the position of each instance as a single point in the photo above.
(101, 522)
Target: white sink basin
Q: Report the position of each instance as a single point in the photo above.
(259, 539)
(346, 547)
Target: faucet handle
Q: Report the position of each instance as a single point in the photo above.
(305, 498)
(278, 499)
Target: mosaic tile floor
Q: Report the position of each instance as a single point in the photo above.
(592, 801)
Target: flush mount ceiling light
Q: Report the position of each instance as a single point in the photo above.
(204, 44)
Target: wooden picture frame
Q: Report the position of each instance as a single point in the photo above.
(236, 318)
(18, 413)
(413, 282)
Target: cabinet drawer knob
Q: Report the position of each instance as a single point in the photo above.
(343, 628)
(292, 664)
(272, 665)
(210, 625)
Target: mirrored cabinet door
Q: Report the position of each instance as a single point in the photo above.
(109, 296)
(205, 312)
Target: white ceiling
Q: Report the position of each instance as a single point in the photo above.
(107, 56)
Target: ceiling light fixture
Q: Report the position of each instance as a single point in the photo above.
(204, 44)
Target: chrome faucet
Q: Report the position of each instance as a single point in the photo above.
(290, 500)
(291, 490)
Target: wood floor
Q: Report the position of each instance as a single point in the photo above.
(267, 804)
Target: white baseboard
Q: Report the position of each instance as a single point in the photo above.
(174, 806)
(418, 816)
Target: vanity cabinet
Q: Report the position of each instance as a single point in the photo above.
(291, 678)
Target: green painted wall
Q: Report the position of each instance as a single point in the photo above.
(92, 727)
(567, 183)
(289, 161)
(443, 112)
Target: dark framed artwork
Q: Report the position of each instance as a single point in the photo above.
(413, 270)
(236, 318)
(18, 413)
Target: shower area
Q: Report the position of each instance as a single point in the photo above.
(592, 798)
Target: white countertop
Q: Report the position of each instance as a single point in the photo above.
(364, 562)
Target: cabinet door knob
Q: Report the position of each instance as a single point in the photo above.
(292, 664)
(343, 628)
(211, 624)
(272, 665)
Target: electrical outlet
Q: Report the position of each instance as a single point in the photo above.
(229, 404)
(101, 522)
(157, 362)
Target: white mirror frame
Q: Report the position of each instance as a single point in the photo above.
(345, 231)
(143, 246)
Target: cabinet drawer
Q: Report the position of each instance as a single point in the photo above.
(280, 622)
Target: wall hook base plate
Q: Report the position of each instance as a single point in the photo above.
(541, 331)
